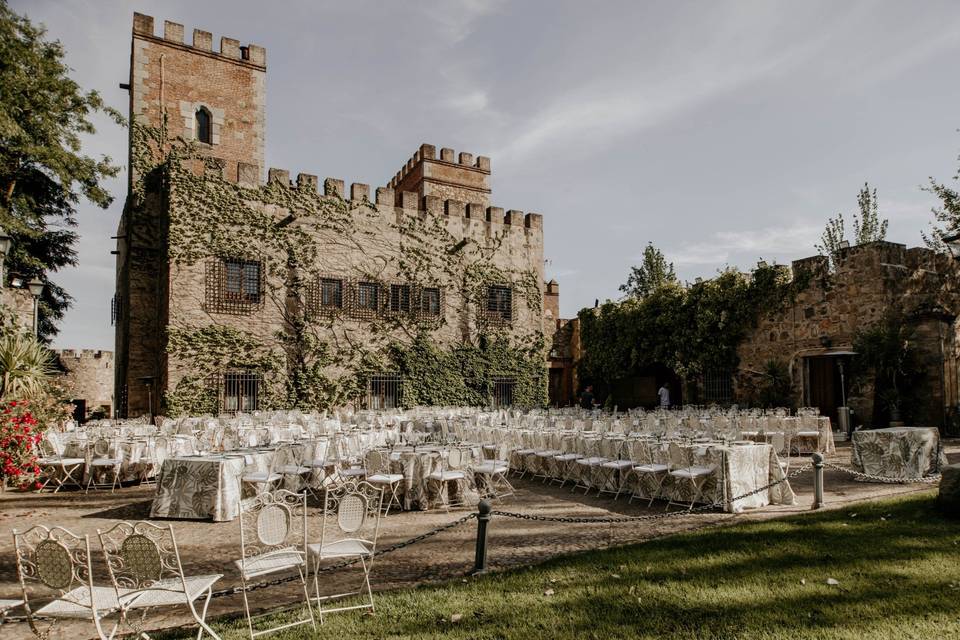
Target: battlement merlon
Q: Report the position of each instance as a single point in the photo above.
(405, 201)
(202, 41)
(426, 174)
(84, 354)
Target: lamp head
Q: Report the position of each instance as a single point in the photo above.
(35, 286)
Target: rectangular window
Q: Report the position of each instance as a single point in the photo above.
(241, 392)
(430, 301)
(400, 298)
(383, 391)
(503, 391)
(234, 285)
(500, 302)
(331, 293)
(368, 296)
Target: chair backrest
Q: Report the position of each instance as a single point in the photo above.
(101, 448)
(51, 562)
(376, 462)
(287, 454)
(47, 448)
(678, 456)
(455, 458)
(273, 520)
(140, 554)
(351, 511)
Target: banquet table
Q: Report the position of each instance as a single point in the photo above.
(903, 453)
(134, 454)
(418, 492)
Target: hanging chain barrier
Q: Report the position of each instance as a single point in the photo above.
(859, 475)
(656, 516)
(347, 563)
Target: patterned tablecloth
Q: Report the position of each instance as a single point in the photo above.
(898, 452)
(135, 455)
(418, 492)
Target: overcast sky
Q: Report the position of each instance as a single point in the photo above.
(723, 132)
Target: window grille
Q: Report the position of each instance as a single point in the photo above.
(366, 300)
(717, 387)
(204, 128)
(429, 302)
(500, 303)
(399, 298)
(234, 286)
(324, 296)
(115, 302)
(503, 388)
(236, 391)
(383, 391)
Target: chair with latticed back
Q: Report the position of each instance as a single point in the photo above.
(56, 468)
(144, 565)
(56, 578)
(273, 539)
(378, 470)
(100, 460)
(349, 529)
(450, 471)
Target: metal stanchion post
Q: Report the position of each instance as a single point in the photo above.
(817, 480)
(483, 518)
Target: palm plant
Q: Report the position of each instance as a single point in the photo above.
(26, 367)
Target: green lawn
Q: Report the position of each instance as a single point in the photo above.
(897, 563)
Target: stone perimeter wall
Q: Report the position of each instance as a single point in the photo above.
(88, 376)
(869, 281)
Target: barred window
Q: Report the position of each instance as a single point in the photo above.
(500, 302)
(400, 298)
(331, 293)
(383, 391)
(368, 296)
(204, 128)
(241, 391)
(430, 301)
(234, 285)
(503, 391)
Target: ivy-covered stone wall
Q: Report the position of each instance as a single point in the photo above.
(316, 358)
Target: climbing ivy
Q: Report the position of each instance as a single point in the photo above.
(688, 329)
(325, 361)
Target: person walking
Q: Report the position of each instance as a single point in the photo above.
(664, 395)
(586, 397)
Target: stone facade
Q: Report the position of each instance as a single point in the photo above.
(158, 294)
(88, 381)
(814, 336)
(17, 304)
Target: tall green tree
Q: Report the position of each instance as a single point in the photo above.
(946, 216)
(43, 172)
(651, 274)
(867, 226)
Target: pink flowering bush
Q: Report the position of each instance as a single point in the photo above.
(19, 435)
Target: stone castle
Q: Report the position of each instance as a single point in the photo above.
(211, 251)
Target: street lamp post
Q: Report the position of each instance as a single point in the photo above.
(5, 242)
(36, 288)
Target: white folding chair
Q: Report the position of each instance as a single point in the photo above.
(56, 468)
(650, 476)
(378, 468)
(273, 539)
(684, 472)
(613, 474)
(144, 565)
(449, 472)
(56, 578)
(100, 460)
(349, 529)
(586, 468)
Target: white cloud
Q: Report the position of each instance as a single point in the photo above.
(725, 247)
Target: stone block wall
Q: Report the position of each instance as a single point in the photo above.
(17, 305)
(87, 376)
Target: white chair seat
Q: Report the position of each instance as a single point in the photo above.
(591, 462)
(691, 472)
(353, 472)
(808, 434)
(105, 462)
(6, 605)
(261, 476)
(489, 447)
(278, 560)
(491, 467)
(443, 476)
(317, 464)
(168, 591)
(567, 457)
(68, 605)
(340, 549)
(294, 469)
(525, 452)
(549, 453)
(652, 468)
(385, 478)
(617, 464)
(57, 461)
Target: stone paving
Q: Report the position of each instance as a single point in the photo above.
(208, 547)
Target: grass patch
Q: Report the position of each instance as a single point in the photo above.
(897, 563)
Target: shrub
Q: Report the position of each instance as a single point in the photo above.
(19, 435)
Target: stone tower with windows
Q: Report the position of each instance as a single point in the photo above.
(216, 98)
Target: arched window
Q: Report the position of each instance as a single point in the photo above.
(204, 130)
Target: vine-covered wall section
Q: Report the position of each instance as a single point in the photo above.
(315, 360)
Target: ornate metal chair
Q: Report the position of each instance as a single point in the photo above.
(450, 472)
(378, 468)
(273, 539)
(53, 566)
(144, 565)
(99, 460)
(349, 530)
(56, 468)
